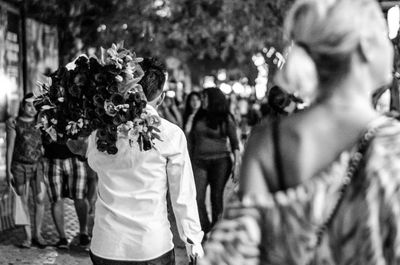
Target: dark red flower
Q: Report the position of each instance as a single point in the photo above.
(102, 145)
(81, 61)
(101, 134)
(80, 80)
(98, 100)
(75, 91)
(117, 99)
(112, 149)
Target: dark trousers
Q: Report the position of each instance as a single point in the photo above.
(166, 259)
(213, 172)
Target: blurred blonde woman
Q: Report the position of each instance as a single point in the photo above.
(322, 186)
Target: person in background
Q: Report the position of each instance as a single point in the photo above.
(233, 103)
(213, 128)
(67, 177)
(131, 222)
(91, 192)
(25, 165)
(322, 186)
(169, 109)
(193, 104)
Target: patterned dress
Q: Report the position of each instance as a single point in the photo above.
(365, 230)
(28, 141)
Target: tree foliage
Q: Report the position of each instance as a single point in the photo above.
(206, 34)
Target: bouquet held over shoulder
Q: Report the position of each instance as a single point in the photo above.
(103, 94)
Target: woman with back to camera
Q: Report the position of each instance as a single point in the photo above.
(322, 186)
(193, 104)
(213, 127)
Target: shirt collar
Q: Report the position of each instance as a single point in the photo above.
(150, 109)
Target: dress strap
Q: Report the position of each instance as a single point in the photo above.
(278, 155)
(353, 168)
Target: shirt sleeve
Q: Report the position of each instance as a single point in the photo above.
(183, 191)
(232, 134)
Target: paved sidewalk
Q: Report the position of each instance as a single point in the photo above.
(10, 254)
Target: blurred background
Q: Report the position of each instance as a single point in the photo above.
(235, 45)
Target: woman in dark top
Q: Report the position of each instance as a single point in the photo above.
(213, 127)
(193, 104)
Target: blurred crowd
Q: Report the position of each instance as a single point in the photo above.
(216, 127)
(247, 111)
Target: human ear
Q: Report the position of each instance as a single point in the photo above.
(160, 99)
(364, 50)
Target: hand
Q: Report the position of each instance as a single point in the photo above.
(235, 171)
(10, 178)
(78, 146)
(194, 251)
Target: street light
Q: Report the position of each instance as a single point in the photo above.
(391, 9)
(393, 19)
(225, 88)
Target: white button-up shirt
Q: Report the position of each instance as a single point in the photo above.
(131, 220)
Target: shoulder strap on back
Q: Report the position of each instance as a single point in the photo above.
(278, 154)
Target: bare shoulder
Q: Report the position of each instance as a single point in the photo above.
(260, 137)
(259, 146)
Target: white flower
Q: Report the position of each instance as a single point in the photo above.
(109, 108)
(52, 132)
(53, 121)
(136, 121)
(123, 107)
(70, 66)
(43, 122)
(47, 107)
(129, 124)
(123, 130)
(80, 123)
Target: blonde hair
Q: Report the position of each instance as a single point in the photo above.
(324, 34)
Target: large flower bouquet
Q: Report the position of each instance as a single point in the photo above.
(98, 94)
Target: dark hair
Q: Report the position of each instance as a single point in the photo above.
(278, 100)
(154, 77)
(23, 102)
(217, 112)
(188, 108)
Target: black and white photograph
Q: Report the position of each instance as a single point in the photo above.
(200, 132)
